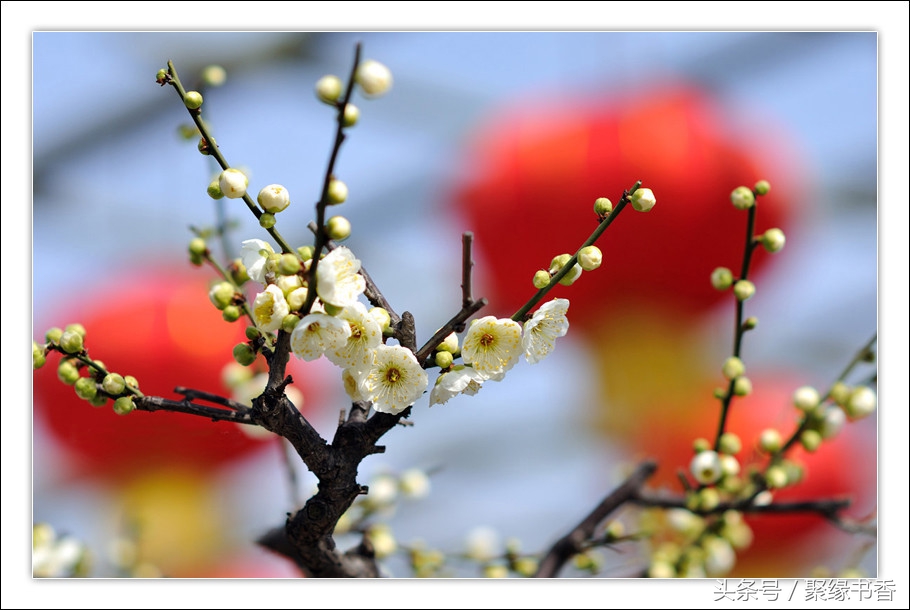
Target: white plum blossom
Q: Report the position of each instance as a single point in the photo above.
(365, 337)
(706, 467)
(338, 282)
(492, 345)
(394, 380)
(255, 254)
(541, 331)
(269, 308)
(350, 378)
(318, 333)
(460, 380)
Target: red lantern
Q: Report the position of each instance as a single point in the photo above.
(529, 191)
(163, 330)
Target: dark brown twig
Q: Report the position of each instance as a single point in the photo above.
(573, 542)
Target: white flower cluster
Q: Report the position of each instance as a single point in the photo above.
(339, 327)
(492, 346)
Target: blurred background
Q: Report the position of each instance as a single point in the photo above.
(511, 136)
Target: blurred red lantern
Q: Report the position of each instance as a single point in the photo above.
(534, 173)
(163, 330)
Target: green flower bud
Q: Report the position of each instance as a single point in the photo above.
(762, 187)
(701, 444)
(603, 206)
(708, 499)
(806, 398)
(131, 382)
(773, 240)
(382, 318)
(162, 74)
(296, 298)
(98, 400)
(214, 189)
(252, 333)
(338, 228)
(776, 477)
(541, 279)
(332, 310)
(730, 465)
(833, 419)
(238, 272)
(328, 89)
(590, 258)
(810, 440)
(526, 566)
(214, 75)
(861, 402)
(750, 323)
(113, 384)
(231, 313)
(221, 294)
(840, 393)
(67, 372)
(614, 530)
(449, 344)
(643, 200)
(244, 354)
(76, 328)
(53, 334)
(733, 367)
(196, 259)
(742, 198)
(187, 131)
(71, 342)
(720, 393)
(743, 290)
(730, 443)
(267, 220)
(198, 246)
(205, 147)
(123, 405)
(721, 278)
(742, 386)
(233, 183)
(193, 100)
(770, 441)
(38, 357)
(351, 115)
(289, 265)
(444, 359)
(305, 253)
(558, 263)
(274, 198)
(289, 322)
(373, 77)
(86, 388)
(337, 193)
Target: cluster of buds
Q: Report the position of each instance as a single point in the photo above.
(97, 386)
(686, 544)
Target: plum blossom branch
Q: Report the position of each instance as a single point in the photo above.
(603, 226)
(212, 149)
(574, 542)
